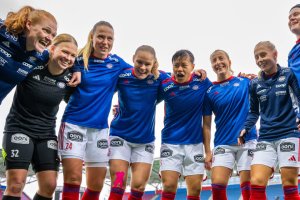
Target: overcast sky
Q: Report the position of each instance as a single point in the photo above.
(169, 25)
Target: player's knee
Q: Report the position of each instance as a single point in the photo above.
(139, 186)
(169, 186)
(73, 179)
(48, 187)
(257, 180)
(15, 188)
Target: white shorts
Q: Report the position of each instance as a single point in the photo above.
(87, 144)
(185, 159)
(284, 151)
(131, 152)
(228, 155)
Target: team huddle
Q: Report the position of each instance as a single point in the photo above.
(47, 69)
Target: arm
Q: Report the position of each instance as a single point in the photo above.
(206, 140)
(293, 83)
(253, 114)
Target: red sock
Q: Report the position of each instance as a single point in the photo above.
(291, 193)
(116, 193)
(135, 195)
(70, 192)
(193, 197)
(258, 192)
(168, 195)
(245, 188)
(219, 192)
(90, 195)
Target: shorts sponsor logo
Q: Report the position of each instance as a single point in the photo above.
(250, 152)
(20, 138)
(219, 150)
(287, 147)
(102, 144)
(166, 153)
(75, 136)
(116, 142)
(199, 158)
(52, 144)
(149, 148)
(261, 147)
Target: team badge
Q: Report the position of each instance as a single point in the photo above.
(195, 87)
(109, 66)
(281, 78)
(150, 82)
(61, 85)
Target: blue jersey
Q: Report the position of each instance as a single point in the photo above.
(229, 101)
(183, 110)
(275, 100)
(294, 60)
(15, 62)
(90, 103)
(135, 121)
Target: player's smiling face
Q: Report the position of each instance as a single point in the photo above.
(63, 55)
(294, 21)
(103, 39)
(40, 34)
(143, 63)
(266, 59)
(182, 69)
(220, 63)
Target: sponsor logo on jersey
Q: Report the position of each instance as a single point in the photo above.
(52, 144)
(32, 59)
(19, 138)
(113, 59)
(278, 93)
(27, 65)
(5, 53)
(61, 85)
(8, 35)
(22, 72)
(2, 61)
(125, 75)
(263, 98)
(199, 158)
(40, 67)
(109, 65)
(236, 84)
(37, 77)
(281, 78)
(102, 144)
(184, 87)
(261, 91)
(149, 148)
(287, 147)
(95, 60)
(197, 79)
(6, 43)
(116, 142)
(49, 80)
(67, 77)
(280, 85)
(250, 152)
(219, 150)
(75, 136)
(260, 147)
(168, 87)
(166, 153)
(150, 82)
(195, 87)
(209, 89)
(224, 84)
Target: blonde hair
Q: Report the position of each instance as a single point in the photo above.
(267, 44)
(15, 22)
(87, 50)
(64, 37)
(151, 50)
(226, 54)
